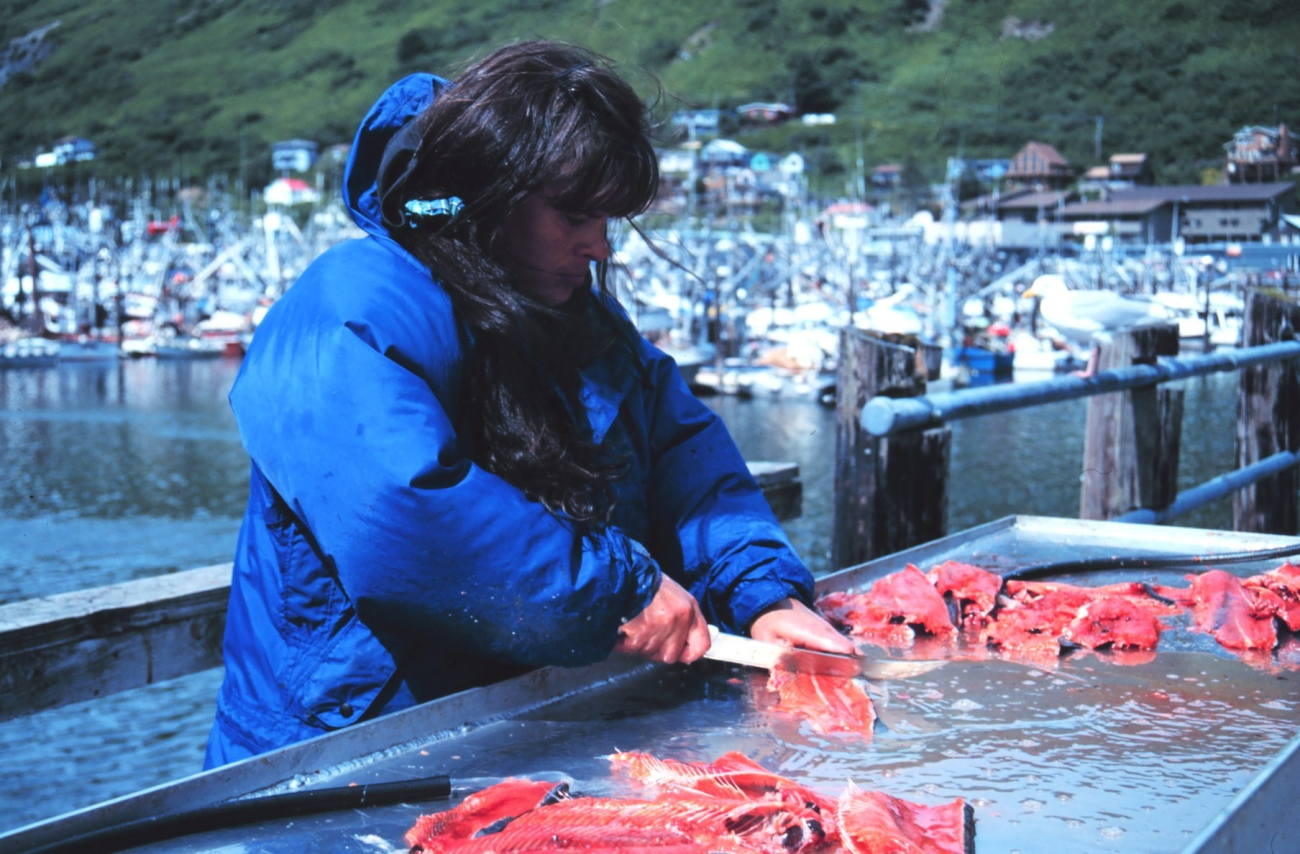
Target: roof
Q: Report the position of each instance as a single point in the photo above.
(848, 208)
(1140, 201)
(295, 184)
(1043, 150)
(1128, 158)
(294, 143)
(1033, 201)
(1112, 208)
(724, 146)
(1037, 154)
(765, 106)
(1097, 173)
(1212, 193)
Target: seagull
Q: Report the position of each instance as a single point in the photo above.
(1091, 317)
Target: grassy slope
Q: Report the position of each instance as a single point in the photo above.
(173, 85)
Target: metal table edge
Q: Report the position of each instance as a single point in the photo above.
(326, 757)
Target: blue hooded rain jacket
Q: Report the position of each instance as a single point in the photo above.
(377, 567)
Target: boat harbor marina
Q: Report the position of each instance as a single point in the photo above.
(906, 391)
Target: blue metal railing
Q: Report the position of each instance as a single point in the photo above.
(1213, 489)
(884, 416)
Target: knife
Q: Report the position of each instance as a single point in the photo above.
(734, 649)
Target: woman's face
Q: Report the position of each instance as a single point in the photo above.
(550, 251)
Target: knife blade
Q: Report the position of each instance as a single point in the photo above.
(734, 649)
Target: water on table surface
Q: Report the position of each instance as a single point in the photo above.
(1095, 756)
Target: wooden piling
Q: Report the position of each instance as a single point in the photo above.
(1268, 417)
(890, 493)
(1132, 438)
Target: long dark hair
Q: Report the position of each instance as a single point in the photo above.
(527, 116)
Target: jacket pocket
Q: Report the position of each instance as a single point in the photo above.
(310, 597)
(353, 668)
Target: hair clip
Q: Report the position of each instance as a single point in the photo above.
(429, 208)
(572, 69)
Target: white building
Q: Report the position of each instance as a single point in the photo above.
(289, 191)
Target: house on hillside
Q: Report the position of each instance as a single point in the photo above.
(723, 154)
(887, 176)
(675, 161)
(764, 112)
(1259, 154)
(1040, 166)
(68, 149)
(697, 123)
(71, 149)
(1123, 172)
(293, 155)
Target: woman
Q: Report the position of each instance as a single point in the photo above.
(465, 461)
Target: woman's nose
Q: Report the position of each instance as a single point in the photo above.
(595, 240)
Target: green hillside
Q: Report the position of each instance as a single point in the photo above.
(196, 87)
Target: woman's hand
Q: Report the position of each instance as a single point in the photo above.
(792, 623)
(671, 629)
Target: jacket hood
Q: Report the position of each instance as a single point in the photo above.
(401, 103)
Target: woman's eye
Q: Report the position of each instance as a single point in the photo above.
(575, 220)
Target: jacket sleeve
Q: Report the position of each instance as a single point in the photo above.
(711, 521)
(340, 414)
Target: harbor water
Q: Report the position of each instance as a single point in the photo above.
(121, 470)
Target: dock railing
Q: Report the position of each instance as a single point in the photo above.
(887, 416)
(893, 438)
(81, 645)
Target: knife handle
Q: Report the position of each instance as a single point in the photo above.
(747, 651)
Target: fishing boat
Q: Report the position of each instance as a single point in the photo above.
(85, 348)
(189, 347)
(29, 351)
(1192, 720)
(980, 360)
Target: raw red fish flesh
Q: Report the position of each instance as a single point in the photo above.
(730, 806)
(1040, 614)
(506, 800)
(876, 823)
(974, 591)
(1237, 616)
(891, 610)
(827, 703)
(1284, 582)
(1072, 595)
(1115, 622)
(1028, 631)
(730, 774)
(731, 822)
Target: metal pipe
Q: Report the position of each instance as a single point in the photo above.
(1213, 489)
(884, 416)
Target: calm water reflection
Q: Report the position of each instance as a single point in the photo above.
(114, 471)
(117, 471)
